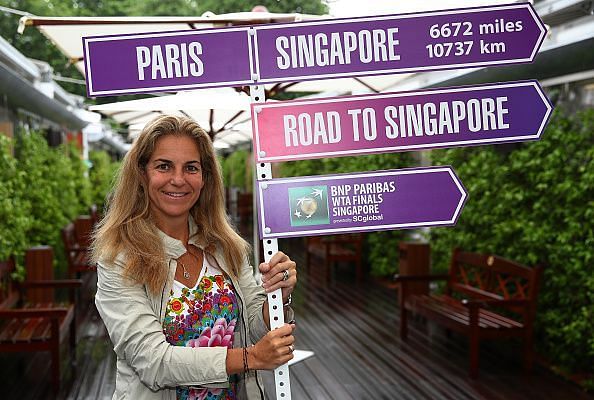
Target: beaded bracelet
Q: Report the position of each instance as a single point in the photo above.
(289, 301)
(245, 361)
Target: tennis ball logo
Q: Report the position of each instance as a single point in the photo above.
(309, 205)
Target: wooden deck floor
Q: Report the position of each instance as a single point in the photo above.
(352, 328)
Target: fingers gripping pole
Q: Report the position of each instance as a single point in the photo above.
(275, 299)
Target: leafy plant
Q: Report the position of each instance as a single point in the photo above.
(101, 176)
(55, 190)
(79, 174)
(15, 218)
(237, 170)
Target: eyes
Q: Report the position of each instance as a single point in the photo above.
(194, 168)
(191, 167)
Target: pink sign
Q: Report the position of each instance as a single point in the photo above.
(391, 122)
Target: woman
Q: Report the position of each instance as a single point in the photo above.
(174, 289)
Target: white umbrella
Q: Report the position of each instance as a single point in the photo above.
(217, 110)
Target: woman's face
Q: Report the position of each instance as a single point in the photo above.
(174, 179)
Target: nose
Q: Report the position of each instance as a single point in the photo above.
(177, 178)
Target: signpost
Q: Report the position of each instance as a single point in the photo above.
(437, 40)
(380, 123)
(369, 201)
(153, 62)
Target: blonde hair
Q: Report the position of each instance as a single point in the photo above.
(128, 228)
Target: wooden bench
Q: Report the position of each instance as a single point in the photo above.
(27, 326)
(486, 297)
(76, 248)
(336, 248)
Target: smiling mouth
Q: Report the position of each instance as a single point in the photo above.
(175, 194)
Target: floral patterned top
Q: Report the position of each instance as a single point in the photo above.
(203, 316)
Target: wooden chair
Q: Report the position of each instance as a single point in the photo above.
(31, 326)
(337, 248)
(83, 228)
(76, 252)
(486, 297)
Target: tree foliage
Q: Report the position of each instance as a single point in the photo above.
(315, 7)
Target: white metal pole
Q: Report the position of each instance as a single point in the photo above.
(275, 299)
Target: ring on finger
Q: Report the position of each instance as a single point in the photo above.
(285, 275)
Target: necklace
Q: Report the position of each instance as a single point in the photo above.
(186, 273)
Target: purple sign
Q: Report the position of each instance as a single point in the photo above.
(369, 201)
(470, 37)
(164, 61)
(390, 122)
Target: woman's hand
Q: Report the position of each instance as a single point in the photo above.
(279, 272)
(273, 350)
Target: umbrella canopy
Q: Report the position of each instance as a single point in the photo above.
(217, 110)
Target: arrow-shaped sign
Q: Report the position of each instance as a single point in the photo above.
(389, 122)
(426, 41)
(235, 56)
(167, 61)
(369, 201)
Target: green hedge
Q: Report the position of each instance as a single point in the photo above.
(79, 174)
(43, 174)
(101, 176)
(42, 190)
(381, 248)
(534, 203)
(15, 219)
(237, 171)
